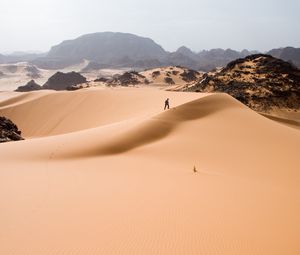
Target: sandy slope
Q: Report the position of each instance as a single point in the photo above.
(44, 113)
(126, 185)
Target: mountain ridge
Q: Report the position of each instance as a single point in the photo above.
(116, 49)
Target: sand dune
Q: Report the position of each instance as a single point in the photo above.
(118, 178)
(51, 113)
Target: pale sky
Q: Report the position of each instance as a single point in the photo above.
(27, 25)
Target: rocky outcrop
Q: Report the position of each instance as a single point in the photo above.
(78, 86)
(190, 75)
(169, 80)
(9, 131)
(155, 74)
(128, 78)
(262, 82)
(62, 81)
(30, 86)
(101, 79)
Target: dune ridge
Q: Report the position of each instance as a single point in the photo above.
(160, 126)
(52, 113)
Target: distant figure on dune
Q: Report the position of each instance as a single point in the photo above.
(167, 105)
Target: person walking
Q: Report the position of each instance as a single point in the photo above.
(167, 104)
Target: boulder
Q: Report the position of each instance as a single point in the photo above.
(128, 78)
(9, 131)
(169, 80)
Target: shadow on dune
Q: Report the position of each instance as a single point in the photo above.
(158, 127)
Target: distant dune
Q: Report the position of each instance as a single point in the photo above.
(108, 171)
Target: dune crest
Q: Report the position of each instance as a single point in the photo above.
(45, 113)
(161, 125)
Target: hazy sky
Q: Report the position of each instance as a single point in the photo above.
(198, 24)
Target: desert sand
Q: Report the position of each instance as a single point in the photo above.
(108, 171)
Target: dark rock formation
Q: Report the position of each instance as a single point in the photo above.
(155, 74)
(61, 81)
(77, 87)
(169, 80)
(30, 86)
(101, 79)
(189, 75)
(9, 131)
(128, 78)
(262, 82)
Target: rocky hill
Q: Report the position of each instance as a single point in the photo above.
(106, 49)
(163, 76)
(126, 79)
(30, 86)
(9, 131)
(62, 81)
(260, 81)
